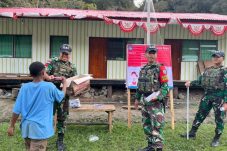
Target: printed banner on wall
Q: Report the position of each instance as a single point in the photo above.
(136, 59)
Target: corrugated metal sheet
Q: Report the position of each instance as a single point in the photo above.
(79, 33)
(41, 30)
(188, 70)
(67, 13)
(116, 69)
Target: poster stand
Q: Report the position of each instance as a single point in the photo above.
(129, 109)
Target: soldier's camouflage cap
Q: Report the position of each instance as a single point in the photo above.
(151, 48)
(218, 54)
(65, 48)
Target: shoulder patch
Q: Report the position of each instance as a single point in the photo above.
(163, 74)
(47, 63)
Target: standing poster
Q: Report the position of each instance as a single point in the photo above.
(136, 59)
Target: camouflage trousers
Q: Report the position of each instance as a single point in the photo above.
(153, 123)
(62, 110)
(205, 106)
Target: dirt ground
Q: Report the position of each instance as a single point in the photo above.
(119, 99)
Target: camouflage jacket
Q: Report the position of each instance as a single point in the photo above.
(58, 68)
(221, 81)
(163, 88)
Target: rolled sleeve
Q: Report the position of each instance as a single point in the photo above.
(225, 89)
(163, 92)
(58, 95)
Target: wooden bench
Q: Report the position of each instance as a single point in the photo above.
(97, 108)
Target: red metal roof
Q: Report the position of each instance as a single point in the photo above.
(78, 14)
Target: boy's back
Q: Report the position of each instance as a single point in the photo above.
(35, 104)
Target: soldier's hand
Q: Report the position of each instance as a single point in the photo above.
(136, 104)
(49, 78)
(10, 131)
(63, 80)
(187, 84)
(154, 99)
(225, 106)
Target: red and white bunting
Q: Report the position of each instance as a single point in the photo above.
(129, 26)
(198, 28)
(218, 30)
(107, 20)
(153, 27)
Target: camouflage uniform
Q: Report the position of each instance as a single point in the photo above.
(59, 68)
(213, 81)
(152, 111)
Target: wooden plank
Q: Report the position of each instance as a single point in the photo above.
(87, 124)
(94, 108)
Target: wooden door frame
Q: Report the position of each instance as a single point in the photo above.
(105, 53)
(179, 41)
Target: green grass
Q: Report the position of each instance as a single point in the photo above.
(121, 139)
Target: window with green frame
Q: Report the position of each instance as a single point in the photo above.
(15, 46)
(206, 49)
(55, 44)
(194, 50)
(190, 51)
(116, 47)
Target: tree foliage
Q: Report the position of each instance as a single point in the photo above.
(113, 4)
(191, 6)
(79, 4)
(188, 6)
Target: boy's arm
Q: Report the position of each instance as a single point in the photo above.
(13, 121)
(59, 95)
(16, 112)
(64, 85)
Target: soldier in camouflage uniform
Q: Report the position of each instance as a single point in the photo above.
(58, 67)
(152, 78)
(213, 80)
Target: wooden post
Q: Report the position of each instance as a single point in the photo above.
(175, 92)
(109, 91)
(129, 108)
(110, 118)
(172, 109)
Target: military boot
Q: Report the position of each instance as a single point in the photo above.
(215, 142)
(60, 143)
(148, 148)
(191, 135)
